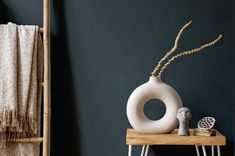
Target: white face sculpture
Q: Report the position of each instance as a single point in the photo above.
(184, 114)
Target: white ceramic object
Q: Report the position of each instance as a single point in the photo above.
(153, 89)
(206, 123)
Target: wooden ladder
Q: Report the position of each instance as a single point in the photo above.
(46, 84)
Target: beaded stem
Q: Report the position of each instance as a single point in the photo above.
(188, 52)
(154, 72)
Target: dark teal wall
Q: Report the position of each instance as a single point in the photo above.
(103, 49)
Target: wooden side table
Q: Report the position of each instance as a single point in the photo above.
(135, 138)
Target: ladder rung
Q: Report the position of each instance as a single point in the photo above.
(41, 30)
(28, 140)
(42, 84)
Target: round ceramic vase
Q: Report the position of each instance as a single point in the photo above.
(153, 89)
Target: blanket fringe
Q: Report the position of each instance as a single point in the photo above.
(13, 126)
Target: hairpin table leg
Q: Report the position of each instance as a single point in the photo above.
(147, 150)
(143, 150)
(197, 150)
(129, 150)
(204, 150)
(212, 151)
(218, 150)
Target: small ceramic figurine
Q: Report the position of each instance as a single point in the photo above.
(184, 116)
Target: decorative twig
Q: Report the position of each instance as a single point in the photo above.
(188, 52)
(154, 72)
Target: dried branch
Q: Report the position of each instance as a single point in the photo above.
(154, 72)
(189, 52)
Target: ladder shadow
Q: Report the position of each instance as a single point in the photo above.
(4, 13)
(65, 129)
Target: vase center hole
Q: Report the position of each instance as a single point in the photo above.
(154, 109)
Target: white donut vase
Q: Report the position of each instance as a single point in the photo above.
(153, 89)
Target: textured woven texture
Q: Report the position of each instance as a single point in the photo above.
(21, 64)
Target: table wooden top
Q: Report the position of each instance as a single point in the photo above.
(135, 138)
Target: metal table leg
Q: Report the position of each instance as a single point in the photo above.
(143, 150)
(129, 150)
(204, 150)
(147, 150)
(212, 151)
(218, 150)
(197, 150)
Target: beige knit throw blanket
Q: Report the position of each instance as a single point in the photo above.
(21, 61)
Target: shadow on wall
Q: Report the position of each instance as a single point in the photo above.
(4, 13)
(65, 131)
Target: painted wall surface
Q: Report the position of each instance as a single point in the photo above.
(103, 49)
